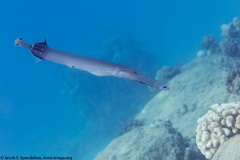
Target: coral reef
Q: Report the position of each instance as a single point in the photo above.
(230, 44)
(199, 84)
(233, 81)
(231, 30)
(217, 126)
(230, 48)
(187, 100)
(211, 44)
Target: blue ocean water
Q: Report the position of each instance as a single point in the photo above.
(37, 116)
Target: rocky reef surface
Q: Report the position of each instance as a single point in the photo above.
(149, 141)
(201, 83)
(211, 78)
(229, 150)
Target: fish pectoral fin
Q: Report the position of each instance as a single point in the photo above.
(37, 60)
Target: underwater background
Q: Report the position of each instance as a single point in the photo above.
(47, 109)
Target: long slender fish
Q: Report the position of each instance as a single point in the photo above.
(91, 65)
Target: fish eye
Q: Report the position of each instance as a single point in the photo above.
(165, 87)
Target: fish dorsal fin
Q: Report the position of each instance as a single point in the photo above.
(45, 42)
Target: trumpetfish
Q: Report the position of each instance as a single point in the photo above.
(94, 66)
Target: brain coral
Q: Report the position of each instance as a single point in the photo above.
(217, 126)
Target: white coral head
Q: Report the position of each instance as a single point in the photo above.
(219, 124)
